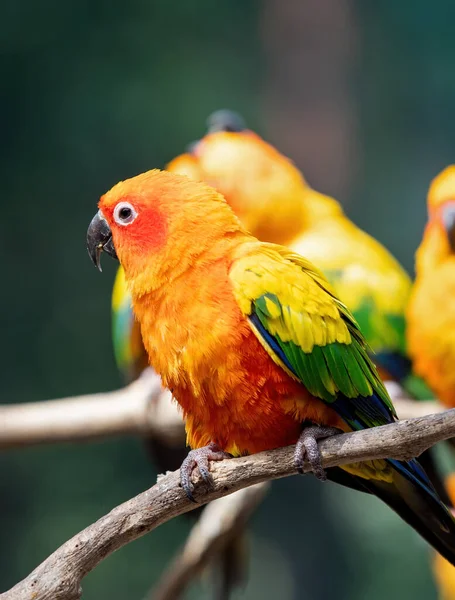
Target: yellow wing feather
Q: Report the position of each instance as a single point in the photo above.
(313, 316)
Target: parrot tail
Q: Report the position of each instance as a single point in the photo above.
(429, 462)
(413, 497)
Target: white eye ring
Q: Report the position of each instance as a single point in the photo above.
(124, 213)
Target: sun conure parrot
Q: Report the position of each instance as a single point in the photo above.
(251, 340)
(444, 572)
(431, 310)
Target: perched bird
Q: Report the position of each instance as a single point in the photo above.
(431, 310)
(251, 340)
(443, 571)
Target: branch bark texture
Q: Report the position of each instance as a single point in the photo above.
(59, 577)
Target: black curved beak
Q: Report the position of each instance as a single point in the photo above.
(99, 239)
(448, 220)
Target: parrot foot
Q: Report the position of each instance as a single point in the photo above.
(307, 447)
(200, 458)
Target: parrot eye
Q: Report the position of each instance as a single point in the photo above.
(124, 213)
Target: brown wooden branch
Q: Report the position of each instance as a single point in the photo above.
(59, 576)
(221, 520)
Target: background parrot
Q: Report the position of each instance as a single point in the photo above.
(251, 340)
(431, 311)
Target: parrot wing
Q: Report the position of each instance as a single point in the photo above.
(310, 334)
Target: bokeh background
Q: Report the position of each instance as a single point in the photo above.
(360, 94)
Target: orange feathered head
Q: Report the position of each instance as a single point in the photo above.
(442, 189)
(261, 185)
(440, 231)
(157, 223)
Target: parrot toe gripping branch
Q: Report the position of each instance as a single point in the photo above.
(307, 447)
(199, 458)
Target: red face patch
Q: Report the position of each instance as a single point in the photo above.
(139, 227)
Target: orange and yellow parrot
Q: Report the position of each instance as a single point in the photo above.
(252, 341)
(431, 311)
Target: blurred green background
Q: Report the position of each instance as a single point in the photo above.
(361, 94)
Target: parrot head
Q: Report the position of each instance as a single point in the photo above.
(157, 224)
(441, 207)
(438, 244)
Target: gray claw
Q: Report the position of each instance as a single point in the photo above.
(307, 448)
(200, 458)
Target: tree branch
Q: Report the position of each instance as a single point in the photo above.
(59, 576)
